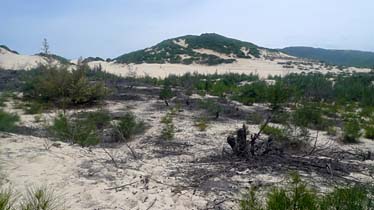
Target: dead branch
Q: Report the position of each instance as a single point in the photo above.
(153, 203)
(111, 157)
(123, 139)
(122, 186)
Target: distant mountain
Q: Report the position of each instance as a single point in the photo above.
(207, 49)
(333, 57)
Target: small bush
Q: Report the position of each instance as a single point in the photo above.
(77, 131)
(255, 118)
(167, 131)
(128, 126)
(211, 107)
(309, 116)
(348, 198)
(166, 94)
(62, 87)
(331, 130)
(351, 131)
(33, 107)
(201, 123)
(8, 121)
(250, 201)
(369, 132)
(277, 133)
(100, 118)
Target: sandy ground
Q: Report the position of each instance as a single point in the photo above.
(167, 174)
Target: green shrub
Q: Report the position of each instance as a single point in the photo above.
(347, 198)
(167, 132)
(351, 131)
(62, 87)
(277, 134)
(369, 132)
(331, 130)
(255, 118)
(100, 118)
(8, 121)
(33, 107)
(128, 126)
(166, 94)
(309, 116)
(211, 107)
(77, 131)
(250, 201)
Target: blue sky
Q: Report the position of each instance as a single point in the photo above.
(109, 28)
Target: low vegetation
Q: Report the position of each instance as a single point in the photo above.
(128, 126)
(168, 129)
(297, 195)
(201, 123)
(34, 199)
(8, 121)
(76, 131)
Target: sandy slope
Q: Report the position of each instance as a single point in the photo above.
(261, 67)
(10, 60)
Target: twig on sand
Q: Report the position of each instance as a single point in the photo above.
(153, 203)
(111, 157)
(122, 186)
(127, 145)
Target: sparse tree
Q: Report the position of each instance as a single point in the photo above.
(45, 47)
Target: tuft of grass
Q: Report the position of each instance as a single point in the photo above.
(369, 132)
(6, 200)
(168, 129)
(40, 199)
(8, 121)
(201, 123)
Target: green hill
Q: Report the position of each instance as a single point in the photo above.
(172, 51)
(334, 57)
(61, 59)
(7, 48)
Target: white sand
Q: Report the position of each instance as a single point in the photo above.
(13, 61)
(261, 67)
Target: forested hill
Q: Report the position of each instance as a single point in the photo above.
(334, 57)
(185, 50)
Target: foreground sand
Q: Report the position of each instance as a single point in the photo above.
(176, 174)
